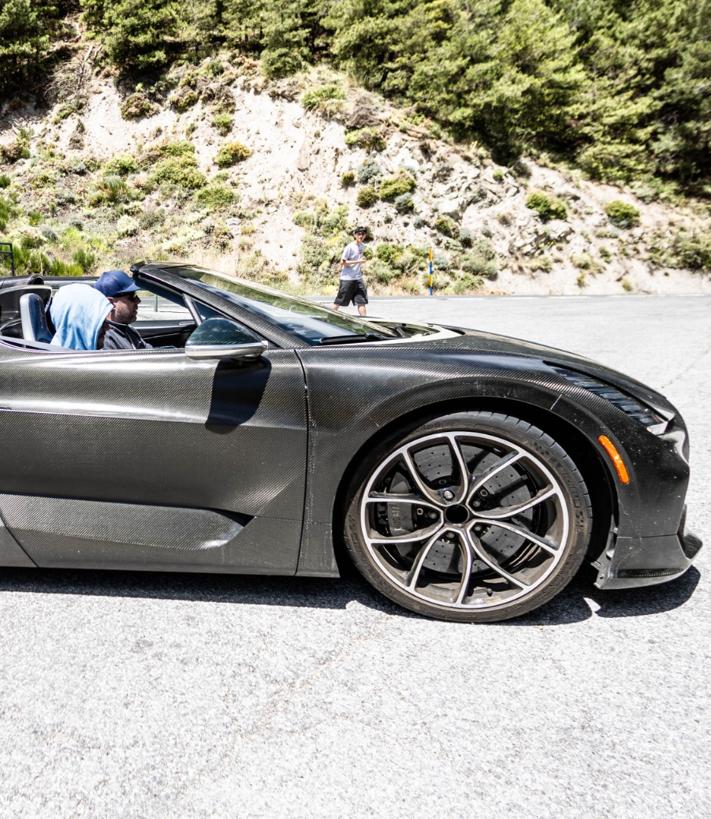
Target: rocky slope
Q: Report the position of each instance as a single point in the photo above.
(222, 168)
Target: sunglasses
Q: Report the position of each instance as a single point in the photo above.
(129, 296)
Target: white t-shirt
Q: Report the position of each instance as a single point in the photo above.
(352, 252)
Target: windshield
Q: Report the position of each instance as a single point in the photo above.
(310, 322)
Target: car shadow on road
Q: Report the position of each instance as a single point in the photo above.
(570, 606)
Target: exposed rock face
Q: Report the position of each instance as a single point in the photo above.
(300, 157)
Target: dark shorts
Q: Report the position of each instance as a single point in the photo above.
(351, 290)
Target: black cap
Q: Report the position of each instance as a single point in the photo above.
(360, 229)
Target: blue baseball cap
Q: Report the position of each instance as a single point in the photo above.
(115, 283)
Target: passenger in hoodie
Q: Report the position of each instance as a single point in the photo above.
(79, 314)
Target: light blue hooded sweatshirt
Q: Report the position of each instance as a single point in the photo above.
(78, 312)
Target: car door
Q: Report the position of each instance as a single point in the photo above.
(150, 459)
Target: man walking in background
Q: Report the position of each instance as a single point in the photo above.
(352, 287)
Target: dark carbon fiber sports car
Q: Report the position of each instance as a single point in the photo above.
(466, 475)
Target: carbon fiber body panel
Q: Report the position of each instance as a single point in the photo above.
(149, 429)
(11, 553)
(100, 535)
(357, 393)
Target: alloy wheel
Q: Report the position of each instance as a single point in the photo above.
(464, 520)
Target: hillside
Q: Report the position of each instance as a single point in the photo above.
(263, 177)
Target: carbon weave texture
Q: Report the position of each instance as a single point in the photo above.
(152, 526)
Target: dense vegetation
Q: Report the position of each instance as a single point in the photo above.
(622, 87)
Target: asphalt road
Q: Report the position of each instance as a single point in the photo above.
(162, 695)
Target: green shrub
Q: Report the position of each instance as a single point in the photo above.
(395, 186)
(150, 218)
(316, 259)
(371, 139)
(231, 154)
(411, 260)
(585, 261)
(138, 106)
(480, 260)
(183, 99)
(6, 212)
(446, 226)
(110, 190)
(127, 226)
(4, 181)
(540, 264)
(368, 171)
(347, 179)
(215, 197)
(182, 148)
(326, 99)
(547, 207)
(366, 197)
(174, 165)
(222, 122)
(404, 203)
(614, 161)
(179, 172)
(121, 165)
(323, 221)
(381, 272)
(388, 252)
(622, 214)
(86, 259)
(466, 283)
(30, 259)
(690, 251)
(18, 149)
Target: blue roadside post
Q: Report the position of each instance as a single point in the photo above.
(430, 275)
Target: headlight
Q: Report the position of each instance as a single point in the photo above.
(629, 405)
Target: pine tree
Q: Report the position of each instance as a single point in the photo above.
(25, 29)
(140, 35)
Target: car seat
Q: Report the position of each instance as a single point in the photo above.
(34, 321)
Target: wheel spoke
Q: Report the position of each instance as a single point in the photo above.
(481, 480)
(552, 548)
(475, 545)
(410, 537)
(468, 557)
(501, 512)
(465, 477)
(428, 493)
(411, 500)
(414, 573)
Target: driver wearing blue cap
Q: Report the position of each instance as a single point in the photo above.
(120, 289)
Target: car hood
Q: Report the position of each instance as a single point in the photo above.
(477, 341)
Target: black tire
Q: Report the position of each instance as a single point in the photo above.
(440, 538)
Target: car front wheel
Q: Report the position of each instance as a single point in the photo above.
(474, 517)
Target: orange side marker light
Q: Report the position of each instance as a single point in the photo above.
(615, 457)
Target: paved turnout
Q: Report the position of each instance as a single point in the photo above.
(171, 695)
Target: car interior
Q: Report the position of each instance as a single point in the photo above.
(165, 318)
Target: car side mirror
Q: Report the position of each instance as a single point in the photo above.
(219, 338)
(218, 351)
